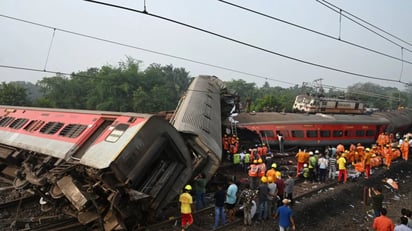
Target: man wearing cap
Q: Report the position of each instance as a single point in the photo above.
(285, 215)
(186, 204)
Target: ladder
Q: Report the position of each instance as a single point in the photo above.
(234, 127)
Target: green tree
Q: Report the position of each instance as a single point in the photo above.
(13, 94)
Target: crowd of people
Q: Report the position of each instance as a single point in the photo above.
(268, 194)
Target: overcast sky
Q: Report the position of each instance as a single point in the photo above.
(26, 45)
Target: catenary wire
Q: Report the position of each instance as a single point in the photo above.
(149, 51)
(315, 31)
(367, 28)
(370, 24)
(245, 43)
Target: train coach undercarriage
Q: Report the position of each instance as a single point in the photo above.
(96, 197)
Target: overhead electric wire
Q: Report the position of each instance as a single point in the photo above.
(367, 28)
(245, 43)
(147, 50)
(370, 24)
(315, 31)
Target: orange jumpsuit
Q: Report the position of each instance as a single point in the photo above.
(405, 150)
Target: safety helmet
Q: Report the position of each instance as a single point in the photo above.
(343, 155)
(270, 179)
(260, 160)
(264, 179)
(317, 151)
(367, 149)
(311, 153)
(255, 161)
(278, 175)
(188, 187)
(305, 165)
(274, 165)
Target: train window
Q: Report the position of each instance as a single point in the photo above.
(298, 133)
(267, 133)
(370, 132)
(324, 133)
(337, 133)
(117, 132)
(5, 121)
(33, 125)
(72, 130)
(18, 123)
(51, 127)
(311, 133)
(349, 133)
(360, 133)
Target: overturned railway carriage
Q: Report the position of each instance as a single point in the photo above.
(317, 130)
(112, 170)
(111, 167)
(199, 118)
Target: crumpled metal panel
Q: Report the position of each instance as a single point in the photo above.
(72, 192)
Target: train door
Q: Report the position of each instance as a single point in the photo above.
(92, 137)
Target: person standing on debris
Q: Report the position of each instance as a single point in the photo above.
(289, 187)
(301, 159)
(342, 168)
(273, 195)
(323, 168)
(200, 186)
(367, 162)
(375, 193)
(280, 185)
(383, 223)
(220, 196)
(312, 167)
(231, 200)
(253, 174)
(263, 194)
(332, 166)
(186, 207)
(405, 149)
(246, 196)
(285, 215)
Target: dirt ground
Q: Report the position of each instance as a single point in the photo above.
(342, 207)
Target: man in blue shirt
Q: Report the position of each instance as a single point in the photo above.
(231, 200)
(285, 215)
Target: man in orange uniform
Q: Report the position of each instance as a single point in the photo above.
(405, 149)
(301, 158)
(387, 153)
(367, 163)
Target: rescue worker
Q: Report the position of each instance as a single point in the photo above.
(186, 207)
(236, 161)
(387, 153)
(301, 159)
(253, 174)
(272, 171)
(405, 149)
(342, 168)
(367, 163)
(261, 168)
(312, 167)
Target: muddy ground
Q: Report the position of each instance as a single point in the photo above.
(342, 207)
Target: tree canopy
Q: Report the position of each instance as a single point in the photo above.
(127, 87)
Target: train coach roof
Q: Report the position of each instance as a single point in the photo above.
(293, 118)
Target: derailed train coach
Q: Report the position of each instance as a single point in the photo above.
(319, 130)
(109, 169)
